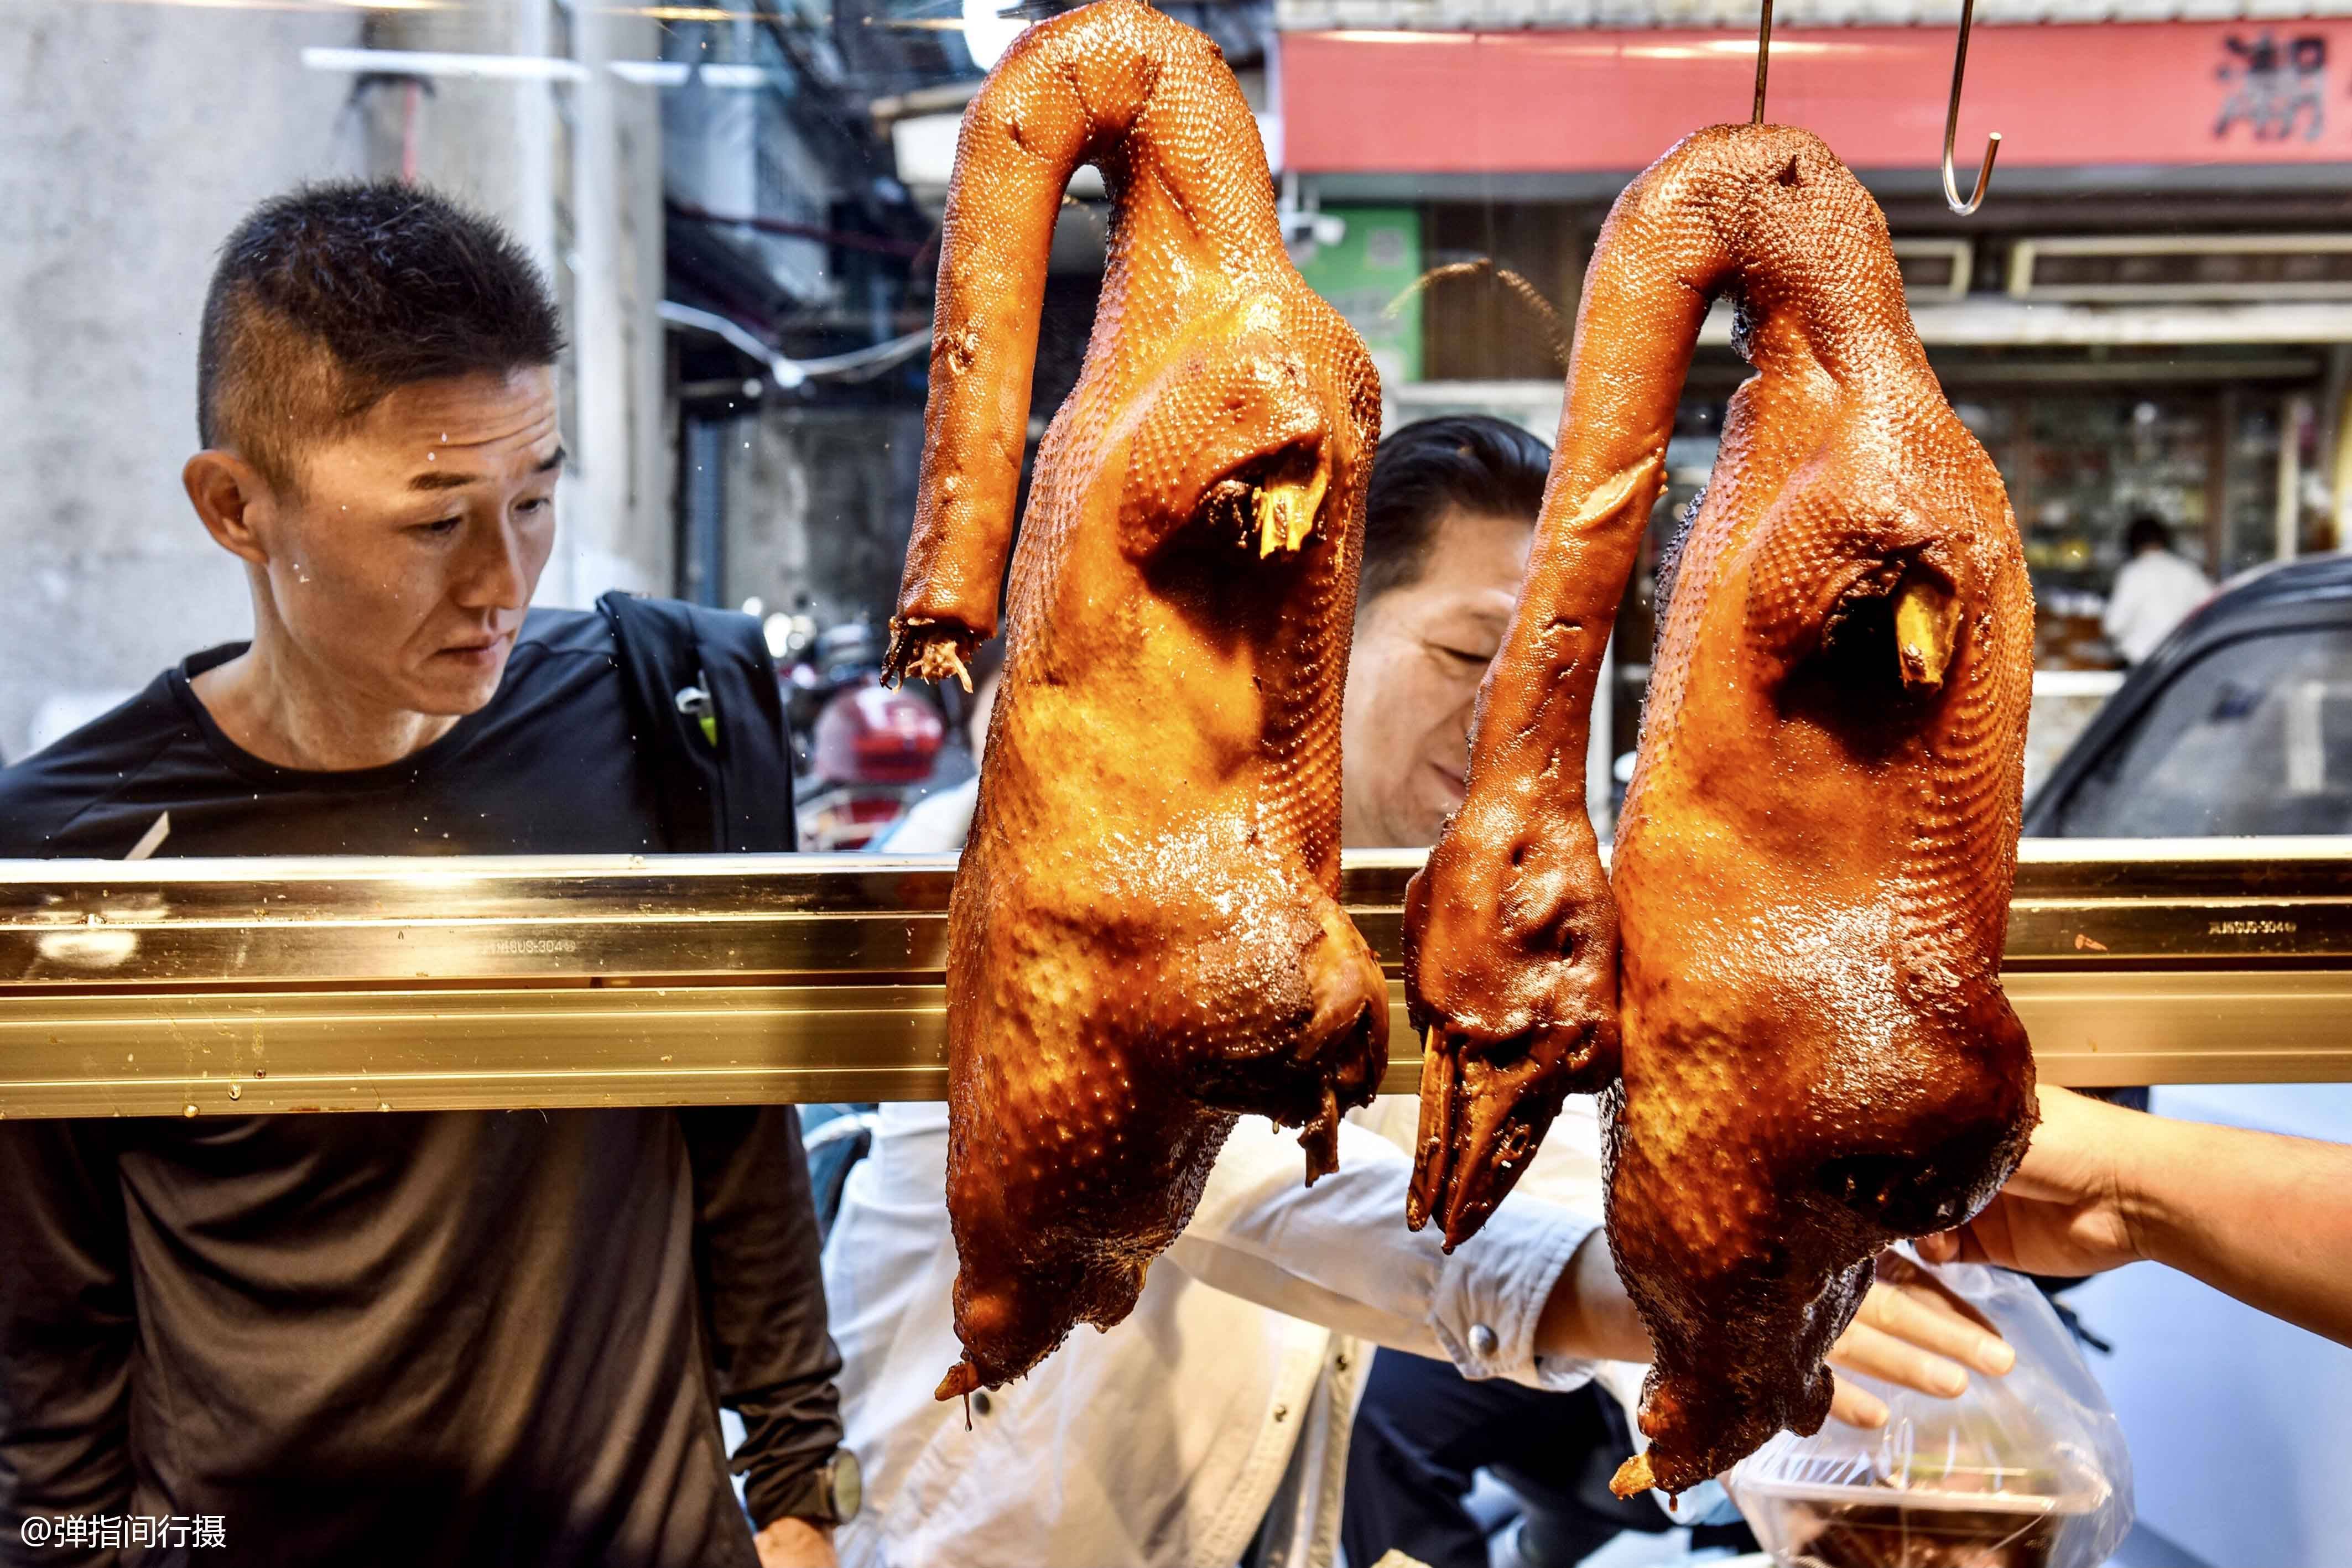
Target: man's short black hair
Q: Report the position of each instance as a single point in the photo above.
(330, 297)
(1430, 468)
(2147, 531)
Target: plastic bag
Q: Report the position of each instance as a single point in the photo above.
(2026, 1470)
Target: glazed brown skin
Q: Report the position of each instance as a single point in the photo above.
(1814, 868)
(1143, 940)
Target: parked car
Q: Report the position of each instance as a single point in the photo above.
(2240, 723)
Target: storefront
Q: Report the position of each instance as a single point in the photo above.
(2151, 315)
(740, 208)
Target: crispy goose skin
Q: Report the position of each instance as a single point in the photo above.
(1814, 868)
(1143, 940)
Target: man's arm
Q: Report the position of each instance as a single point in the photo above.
(1534, 1297)
(2123, 604)
(1338, 1254)
(757, 1246)
(1908, 1331)
(2265, 1218)
(65, 1334)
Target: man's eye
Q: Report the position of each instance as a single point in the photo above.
(1466, 656)
(536, 504)
(441, 527)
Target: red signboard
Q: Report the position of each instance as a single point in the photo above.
(2113, 93)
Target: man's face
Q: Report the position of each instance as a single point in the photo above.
(1420, 652)
(404, 568)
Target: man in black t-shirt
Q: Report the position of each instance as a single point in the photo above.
(408, 1338)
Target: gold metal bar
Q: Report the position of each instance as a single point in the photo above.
(210, 1054)
(206, 988)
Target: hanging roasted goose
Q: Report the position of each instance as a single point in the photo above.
(1143, 941)
(1812, 869)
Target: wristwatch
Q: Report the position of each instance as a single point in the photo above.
(830, 1494)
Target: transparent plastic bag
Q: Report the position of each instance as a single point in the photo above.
(2026, 1470)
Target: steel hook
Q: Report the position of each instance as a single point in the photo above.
(1763, 62)
(1951, 117)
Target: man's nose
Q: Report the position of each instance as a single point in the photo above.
(491, 576)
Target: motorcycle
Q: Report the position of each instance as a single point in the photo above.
(863, 755)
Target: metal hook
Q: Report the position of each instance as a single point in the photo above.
(1951, 119)
(1763, 62)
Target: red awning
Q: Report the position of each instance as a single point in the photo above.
(1581, 100)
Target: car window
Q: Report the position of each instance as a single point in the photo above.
(2254, 738)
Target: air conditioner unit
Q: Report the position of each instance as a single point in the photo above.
(2117, 269)
(1934, 270)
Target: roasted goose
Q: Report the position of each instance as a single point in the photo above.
(1813, 867)
(1143, 941)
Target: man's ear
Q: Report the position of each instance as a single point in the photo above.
(232, 500)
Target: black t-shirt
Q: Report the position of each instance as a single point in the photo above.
(549, 767)
(437, 1337)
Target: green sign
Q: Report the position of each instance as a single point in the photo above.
(1369, 274)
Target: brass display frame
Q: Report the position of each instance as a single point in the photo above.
(203, 987)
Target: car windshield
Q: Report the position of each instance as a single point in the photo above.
(2254, 736)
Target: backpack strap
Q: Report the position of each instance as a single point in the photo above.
(710, 723)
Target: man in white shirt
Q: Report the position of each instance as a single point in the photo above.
(1215, 1419)
(2154, 590)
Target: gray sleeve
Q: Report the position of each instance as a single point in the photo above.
(764, 1291)
(66, 1333)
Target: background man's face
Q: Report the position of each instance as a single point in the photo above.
(405, 566)
(1420, 652)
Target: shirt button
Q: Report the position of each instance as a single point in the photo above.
(1483, 1342)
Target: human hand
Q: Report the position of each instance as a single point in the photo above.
(796, 1543)
(2066, 1211)
(1911, 1331)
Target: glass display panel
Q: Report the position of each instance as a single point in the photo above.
(736, 206)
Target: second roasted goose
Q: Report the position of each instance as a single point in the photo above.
(1812, 869)
(1143, 942)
